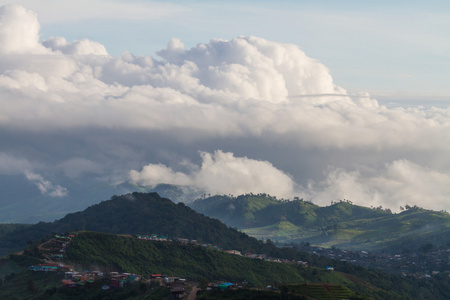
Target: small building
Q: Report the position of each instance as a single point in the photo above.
(225, 285)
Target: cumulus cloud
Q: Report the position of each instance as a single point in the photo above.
(400, 182)
(222, 173)
(19, 30)
(83, 47)
(45, 186)
(72, 107)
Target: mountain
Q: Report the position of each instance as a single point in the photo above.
(237, 212)
(21, 201)
(136, 213)
(341, 224)
(148, 213)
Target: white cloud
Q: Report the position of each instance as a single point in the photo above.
(153, 174)
(83, 47)
(222, 173)
(70, 106)
(45, 186)
(398, 183)
(19, 29)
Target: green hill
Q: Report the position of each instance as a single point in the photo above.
(89, 250)
(239, 211)
(136, 213)
(341, 224)
(193, 262)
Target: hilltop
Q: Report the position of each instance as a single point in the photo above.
(341, 224)
(136, 213)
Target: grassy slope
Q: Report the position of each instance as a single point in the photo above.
(91, 250)
(234, 211)
(342, 224)
(194, 262)
(189, 261)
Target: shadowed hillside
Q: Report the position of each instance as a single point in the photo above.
(137, 213)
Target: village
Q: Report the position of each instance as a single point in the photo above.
(423, 265)
(54, 252)
(418, 265)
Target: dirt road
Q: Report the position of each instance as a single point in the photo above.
(193, 294)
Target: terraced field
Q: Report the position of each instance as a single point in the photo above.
(320, 291)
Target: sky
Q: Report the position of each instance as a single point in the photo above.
(319, 100)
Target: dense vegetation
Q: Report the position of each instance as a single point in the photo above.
(188, 261)
(141, 213)
(287, 292)
(7, 228)
(136, 291)
(125, 253)
(195, 262)
(341, 224)
(137, 213)
(246, 295)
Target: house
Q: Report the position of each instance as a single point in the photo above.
(225, 285)
(177, 292)
(69, 283)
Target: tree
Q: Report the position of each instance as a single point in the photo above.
(31, 286)
(203, 283)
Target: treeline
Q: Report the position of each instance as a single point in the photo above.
(250, 210)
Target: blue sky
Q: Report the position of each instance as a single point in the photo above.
(395, 50)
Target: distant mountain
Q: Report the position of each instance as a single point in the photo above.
(136, 213)
(342, 224)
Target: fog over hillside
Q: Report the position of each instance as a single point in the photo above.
(227, 116)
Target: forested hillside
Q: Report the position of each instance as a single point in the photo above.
(341, 224)
(194, 262)
(137, 213)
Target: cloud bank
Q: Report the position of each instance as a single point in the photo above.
(69, 108)
(222, 173)
(400, 182)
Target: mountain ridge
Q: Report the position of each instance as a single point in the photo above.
(342, 224)
(135, 213)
